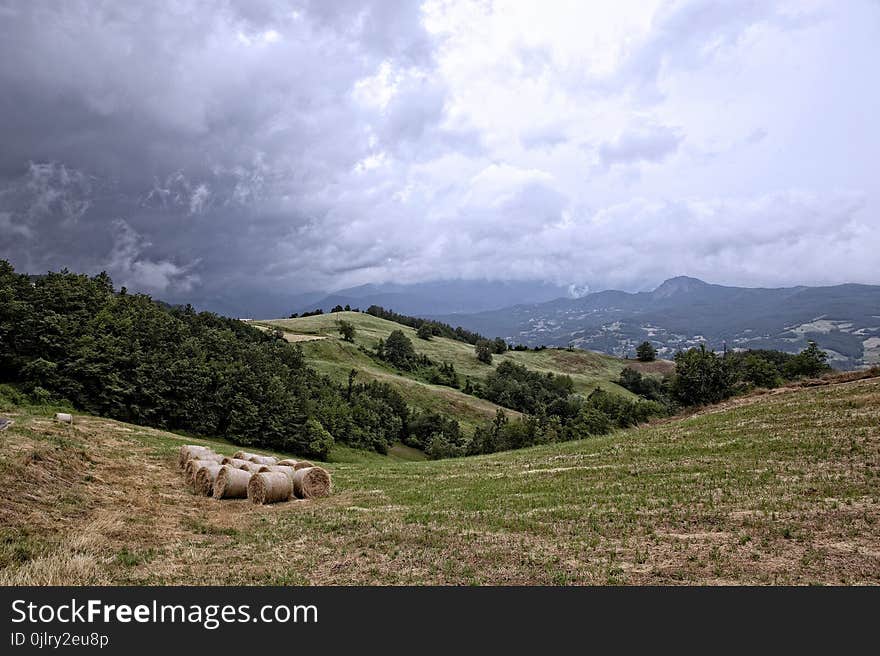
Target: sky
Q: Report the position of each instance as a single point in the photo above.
(214, 151)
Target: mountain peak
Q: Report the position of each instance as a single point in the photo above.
(679, 285)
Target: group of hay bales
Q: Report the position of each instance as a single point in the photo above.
(262, 479)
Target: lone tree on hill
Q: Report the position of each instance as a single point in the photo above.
(483, 350)
(425, 331)
(346, 329)
(399, 350)
(646, 352)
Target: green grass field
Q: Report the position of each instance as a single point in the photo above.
(779, 488)
(335, 357)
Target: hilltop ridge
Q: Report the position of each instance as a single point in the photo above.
(326, 352)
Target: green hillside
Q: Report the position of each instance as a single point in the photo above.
(335, 357)
(781, 488)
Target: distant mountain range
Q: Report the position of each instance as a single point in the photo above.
(682, 312)
(436, 297)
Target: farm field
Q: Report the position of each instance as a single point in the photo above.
(781, 488)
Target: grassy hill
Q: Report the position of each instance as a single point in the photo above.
(335, 357)
(779, 488)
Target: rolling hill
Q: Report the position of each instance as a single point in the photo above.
(683, 312)
(328, 353)
(782, 488)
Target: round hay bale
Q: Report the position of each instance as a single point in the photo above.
(190, 451)
(192, 466)
(250, 467)
(311, 482)
(244, 455)
(302, 464)
(263, 460)
(282, 469)
(231, 483)
(205, 477)
(235, 462)
(287, 462)
(287, 469)
(64, 417)
(269, 487)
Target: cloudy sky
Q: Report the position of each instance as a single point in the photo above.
(213, 151)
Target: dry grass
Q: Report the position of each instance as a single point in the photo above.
(292, 337)
(782, 489)
(662, 367)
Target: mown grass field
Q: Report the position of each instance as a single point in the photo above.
(779, 488)
(336, 358)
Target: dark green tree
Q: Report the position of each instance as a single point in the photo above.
(483, 350)
(425, 331)
(812, 361)
(700, 377)
(346, 330)
(646, 352)
(399, 350)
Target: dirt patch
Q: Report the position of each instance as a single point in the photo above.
(294, 338)
(662, 367)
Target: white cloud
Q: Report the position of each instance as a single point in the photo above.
(132, 269)
(650, 143)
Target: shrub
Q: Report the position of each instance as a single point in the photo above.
(315, 440)
(590, 421)
(623, 412)
(438, 436)
(755, 370)
(648, 387)
(11, 397)
(443, 375)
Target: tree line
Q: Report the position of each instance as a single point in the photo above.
(437, 328)
(702, 376)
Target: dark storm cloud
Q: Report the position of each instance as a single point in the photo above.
(233, 152)
(159, 140)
